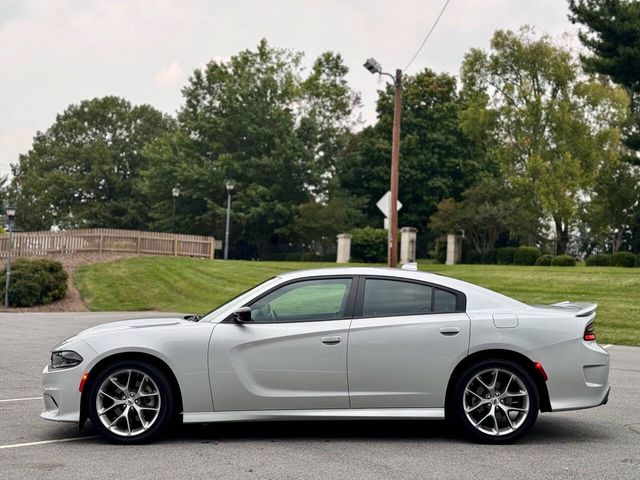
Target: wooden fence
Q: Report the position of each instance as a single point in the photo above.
(108, 240)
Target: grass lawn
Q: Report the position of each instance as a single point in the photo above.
(189, 285)
(173, 284)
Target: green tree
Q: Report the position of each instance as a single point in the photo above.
(487, 210)
(613, 38)
(552, 129)
(318, 223)
(84, 170)
(612, 208)
(436, 159)
(264, 121)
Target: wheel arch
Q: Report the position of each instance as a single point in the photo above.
(128, 356)
(499, 354)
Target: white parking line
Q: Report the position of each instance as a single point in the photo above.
(19, 399)
(44, 442)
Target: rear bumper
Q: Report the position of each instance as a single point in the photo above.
(578, 375)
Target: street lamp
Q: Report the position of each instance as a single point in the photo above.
(229, 185)
(175, 191)
(10, 210)
(374, 67)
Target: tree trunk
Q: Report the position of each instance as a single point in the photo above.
(616, 241)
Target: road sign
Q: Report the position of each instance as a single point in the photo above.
(383, 204)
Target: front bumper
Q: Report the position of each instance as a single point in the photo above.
(61, 392)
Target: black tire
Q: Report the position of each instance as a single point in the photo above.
(499, 421)
(165, 401)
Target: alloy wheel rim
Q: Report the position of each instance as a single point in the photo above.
(128, 402)
(496, 402)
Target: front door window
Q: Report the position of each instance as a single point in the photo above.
(306, 301)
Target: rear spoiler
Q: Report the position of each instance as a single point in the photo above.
(581, 309)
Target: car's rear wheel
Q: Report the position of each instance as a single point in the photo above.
(131, 402)
(495, 401)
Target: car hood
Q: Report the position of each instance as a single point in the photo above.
(124, 325)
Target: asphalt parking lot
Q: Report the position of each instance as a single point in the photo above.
(598, 443)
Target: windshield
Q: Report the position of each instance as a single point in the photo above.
(240, 298)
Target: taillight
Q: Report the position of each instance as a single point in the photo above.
(590, 332)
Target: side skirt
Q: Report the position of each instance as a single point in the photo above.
(329, 414)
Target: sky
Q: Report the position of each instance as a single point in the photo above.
(57, 52)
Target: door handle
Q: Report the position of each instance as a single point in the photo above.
(331, 340)
(450, 331)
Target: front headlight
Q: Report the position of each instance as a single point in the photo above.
(65, 359)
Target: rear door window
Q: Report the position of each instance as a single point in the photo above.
(444, 301)
(395, 297)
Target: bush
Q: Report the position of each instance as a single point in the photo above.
(638, 260)
(544, 260)
(35, 282)
(598, 260)
(473, 258)
(526, 255)
(369, 245)
(505, 255)
(563, 261)
(491, 257)
(440, 254)
(622, 259)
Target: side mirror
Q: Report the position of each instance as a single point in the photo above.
(242, 315)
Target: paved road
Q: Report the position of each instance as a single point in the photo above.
(601, 443)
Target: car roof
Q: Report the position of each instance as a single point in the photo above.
(379, 271)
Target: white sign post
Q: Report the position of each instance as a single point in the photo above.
(384, 204)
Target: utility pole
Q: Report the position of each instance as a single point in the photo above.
(392, 249)
(395, 171)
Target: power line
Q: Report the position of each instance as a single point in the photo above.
(433, 27)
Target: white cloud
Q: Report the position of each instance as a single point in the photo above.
(170, 76)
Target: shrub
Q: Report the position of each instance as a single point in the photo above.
(473, 257)
(440, 254)
(526, 255)
(598, 260)
(622, 259)
(638, 260)
(369, 245)
(544, 260)
(35, 282)
(563, 261)
(505, 255)
(491, 257)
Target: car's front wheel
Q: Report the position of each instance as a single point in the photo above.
(495, 401)
(131, 402)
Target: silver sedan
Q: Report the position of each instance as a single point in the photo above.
(340, 343)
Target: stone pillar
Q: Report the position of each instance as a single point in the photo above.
(408, 236)
(344, 248)
(454, 249)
